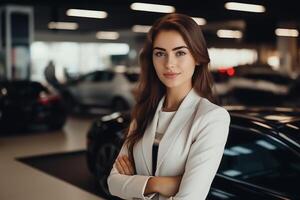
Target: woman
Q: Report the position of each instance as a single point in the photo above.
(177, 136)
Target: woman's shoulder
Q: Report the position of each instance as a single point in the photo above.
(210, 116)
(206, 108)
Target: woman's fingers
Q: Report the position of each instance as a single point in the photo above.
(119, 167)
(129, 165)
(124, 166)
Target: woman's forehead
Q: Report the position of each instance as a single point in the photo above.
(168, 40)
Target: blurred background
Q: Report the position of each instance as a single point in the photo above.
(65, 63)
(253, 46)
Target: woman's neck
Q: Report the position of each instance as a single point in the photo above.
(174, 97)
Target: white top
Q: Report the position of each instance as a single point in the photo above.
(164, 120)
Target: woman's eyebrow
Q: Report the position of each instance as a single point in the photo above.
(180, 47)
(174, 49)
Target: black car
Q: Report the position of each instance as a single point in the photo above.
(28, 105)
(261, 158)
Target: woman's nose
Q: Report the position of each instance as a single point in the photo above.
(170, 61)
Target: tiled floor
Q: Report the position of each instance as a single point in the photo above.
(22, 182)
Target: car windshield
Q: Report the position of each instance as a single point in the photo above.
(262, 161)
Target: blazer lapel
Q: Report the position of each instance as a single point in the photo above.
(182, 115)
(148, 139)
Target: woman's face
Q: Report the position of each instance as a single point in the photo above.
(172, 59)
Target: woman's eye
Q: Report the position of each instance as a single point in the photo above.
(180, 53)
(159, 54)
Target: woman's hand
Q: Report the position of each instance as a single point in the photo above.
(165, 185)
(124, 166)
(169, 186)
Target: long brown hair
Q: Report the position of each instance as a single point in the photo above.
(150, 89)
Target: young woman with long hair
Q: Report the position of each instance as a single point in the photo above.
(177, 136)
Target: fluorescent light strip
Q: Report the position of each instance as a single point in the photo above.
(200, 21)
(107, 35)
(141, 28)
(222, 33)
(87, 13)
(152, 7)
(245, 7)
(63, 25)
(286, 32)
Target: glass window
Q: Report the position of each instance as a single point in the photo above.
(261, 160)
(103, 76)
(132, 77)
(88, 77)
(99, 76)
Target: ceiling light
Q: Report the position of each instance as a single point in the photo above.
(86, 13)
(63, 25)
(152, 7)
(245, 7)
(107, 35)
(141, 28)
(114, 49)
(200, 21)
(286, 32)
(222, 33)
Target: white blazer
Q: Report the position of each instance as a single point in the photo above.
(192, 146)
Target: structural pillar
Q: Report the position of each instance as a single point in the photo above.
(16, 29)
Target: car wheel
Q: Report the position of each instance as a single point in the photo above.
(105, 158)
(119, 104)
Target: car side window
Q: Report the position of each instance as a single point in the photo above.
(103, 76)
(88, 77)
(132, 77)
(260, 160)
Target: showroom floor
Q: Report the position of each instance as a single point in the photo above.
(22, 182)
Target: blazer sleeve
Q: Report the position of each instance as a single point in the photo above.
(205, 156)
(124, 186)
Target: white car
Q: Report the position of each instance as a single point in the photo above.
(109, 89)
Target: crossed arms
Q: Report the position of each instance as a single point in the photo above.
(165, 185)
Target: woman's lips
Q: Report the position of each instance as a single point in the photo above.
(171, 75)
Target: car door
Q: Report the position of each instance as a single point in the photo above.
(255, 163)
(94, 88)
(82, 89)
(102, 88)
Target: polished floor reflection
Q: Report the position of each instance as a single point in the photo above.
(20, 181)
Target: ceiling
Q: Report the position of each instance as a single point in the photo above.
(259, 27)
